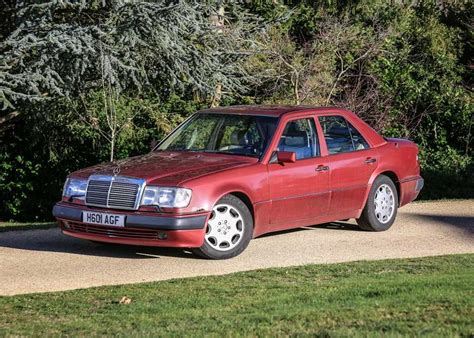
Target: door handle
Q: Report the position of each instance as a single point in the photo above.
(321, 168)
(370, 160)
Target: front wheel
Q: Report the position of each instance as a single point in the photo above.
(380, 210)
(229, 229)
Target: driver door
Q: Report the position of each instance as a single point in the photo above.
(299, 190)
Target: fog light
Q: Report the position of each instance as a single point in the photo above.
(162, 235)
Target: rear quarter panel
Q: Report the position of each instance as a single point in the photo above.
(399, 156)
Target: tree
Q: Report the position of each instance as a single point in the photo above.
(289, 73)
(318, 71)
(64, 48)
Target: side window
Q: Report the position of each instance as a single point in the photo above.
(300, 137)
(238, 134)
(341, 136)
(359, 142)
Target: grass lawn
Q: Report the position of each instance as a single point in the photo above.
(433, 296)
(10, 226)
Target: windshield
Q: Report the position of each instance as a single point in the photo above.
(246, 135)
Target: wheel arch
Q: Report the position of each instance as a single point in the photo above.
(244, 197)
(393, 176)
(365, 219)
(390, 174)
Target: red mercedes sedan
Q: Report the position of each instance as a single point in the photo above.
(227, 175)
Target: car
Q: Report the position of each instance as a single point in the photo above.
(230, 174)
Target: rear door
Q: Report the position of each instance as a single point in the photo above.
(298, 190)
(351, 162)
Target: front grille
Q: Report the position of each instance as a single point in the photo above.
(130, 233)
(123, 194)
(98, 192)
(114, 192)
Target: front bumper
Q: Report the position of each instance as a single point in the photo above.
(139, 229)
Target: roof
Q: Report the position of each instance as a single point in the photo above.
(278, 110)
(267, 110)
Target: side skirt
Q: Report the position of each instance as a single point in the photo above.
(307, 222)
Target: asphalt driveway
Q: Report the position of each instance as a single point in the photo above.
(46, 260)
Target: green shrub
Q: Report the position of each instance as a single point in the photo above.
(39, 152)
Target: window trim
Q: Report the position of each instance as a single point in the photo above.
(352, 138)
(316, 137)
(350, 133)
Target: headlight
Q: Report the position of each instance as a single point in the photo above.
(167, 197)
(75, 188)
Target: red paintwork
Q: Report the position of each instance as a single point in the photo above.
(280, 195)
(286, 157)
(176, 239)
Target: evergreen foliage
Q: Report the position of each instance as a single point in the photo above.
(65, 47)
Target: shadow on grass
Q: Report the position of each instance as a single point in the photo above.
(52, 240)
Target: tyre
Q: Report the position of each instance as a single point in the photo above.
(229, 229)
(380, 210)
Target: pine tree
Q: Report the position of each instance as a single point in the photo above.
(62, 48)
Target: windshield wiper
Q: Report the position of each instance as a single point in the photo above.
(181, 149)
(227, 153)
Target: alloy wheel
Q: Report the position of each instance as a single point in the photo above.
(225, 228)
(384, 201)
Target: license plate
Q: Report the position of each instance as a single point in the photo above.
(103, 219)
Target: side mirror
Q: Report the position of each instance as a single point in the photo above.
(286, 156)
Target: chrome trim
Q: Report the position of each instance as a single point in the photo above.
(120, 179)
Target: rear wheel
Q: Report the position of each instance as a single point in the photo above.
(380, 210)
(229, 229)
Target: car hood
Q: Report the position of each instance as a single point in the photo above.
(167, 168)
